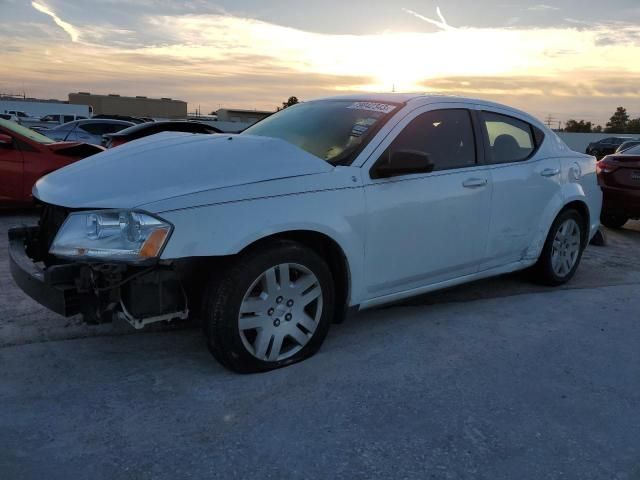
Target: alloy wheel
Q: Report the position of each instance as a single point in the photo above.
(280, 312)
(566, 248)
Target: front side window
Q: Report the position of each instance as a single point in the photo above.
(446, 136)
(332, 130)
(510, 139)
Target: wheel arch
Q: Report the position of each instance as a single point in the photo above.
(583, 210)
(556, 208)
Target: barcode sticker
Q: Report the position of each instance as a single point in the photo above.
(373, 107)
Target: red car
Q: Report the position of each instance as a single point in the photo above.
(619, 178)
(25, 156)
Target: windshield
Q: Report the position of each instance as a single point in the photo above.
(330, 129)
(25, 132)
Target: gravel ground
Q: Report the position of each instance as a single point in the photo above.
(535, 386)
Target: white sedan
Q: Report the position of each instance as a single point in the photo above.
(325, 208)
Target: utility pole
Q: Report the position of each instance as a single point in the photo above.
(550, 120)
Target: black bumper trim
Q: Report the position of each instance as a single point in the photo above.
(53, 287)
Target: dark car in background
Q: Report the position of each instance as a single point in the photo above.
(619, 178)
(26, 156)
(144, 130)
(627, 145)
(605, 147)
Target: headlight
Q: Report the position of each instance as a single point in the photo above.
(121, 235)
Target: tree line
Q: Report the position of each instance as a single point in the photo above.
(620, 122)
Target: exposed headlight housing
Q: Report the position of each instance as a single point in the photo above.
(112, 235)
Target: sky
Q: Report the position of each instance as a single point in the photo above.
(565, 58)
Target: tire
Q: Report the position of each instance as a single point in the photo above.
(550, 269)
(282, 318)
(613, 221)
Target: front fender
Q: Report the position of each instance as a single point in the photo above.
(227, 229)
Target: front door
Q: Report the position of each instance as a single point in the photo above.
(428, 228)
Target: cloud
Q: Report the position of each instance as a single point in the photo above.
(542, 8)
(216, 58)
(67, 27)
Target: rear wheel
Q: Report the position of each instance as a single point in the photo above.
(613, 221)
(562, 250)
(271, 308)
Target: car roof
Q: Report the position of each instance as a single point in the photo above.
(423, 99)
(105, 120)
(90, 121)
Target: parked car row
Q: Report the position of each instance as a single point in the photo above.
(27, 154)
(610, 145)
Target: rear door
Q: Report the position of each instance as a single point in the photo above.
(523, 185)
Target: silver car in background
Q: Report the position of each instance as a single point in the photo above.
(87, 131)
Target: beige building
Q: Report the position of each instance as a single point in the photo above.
(131, 106)
(242, 116)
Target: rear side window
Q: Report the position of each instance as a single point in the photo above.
(445, 135)
(510, 139)
(68, 118)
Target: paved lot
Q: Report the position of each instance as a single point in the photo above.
(500, 379)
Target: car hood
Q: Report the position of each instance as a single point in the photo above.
(173, 164)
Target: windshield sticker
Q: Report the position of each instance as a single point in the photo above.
(372, 107)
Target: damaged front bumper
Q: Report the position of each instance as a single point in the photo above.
(53, 287)
(100, 292)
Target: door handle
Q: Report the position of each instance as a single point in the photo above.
(474, 183)
(550, 172)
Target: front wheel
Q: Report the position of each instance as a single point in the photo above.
(271, 308)
(562, 250)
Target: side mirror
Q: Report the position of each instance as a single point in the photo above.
(5, 140)
(403, 162)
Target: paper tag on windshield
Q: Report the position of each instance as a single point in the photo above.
(372, 107)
